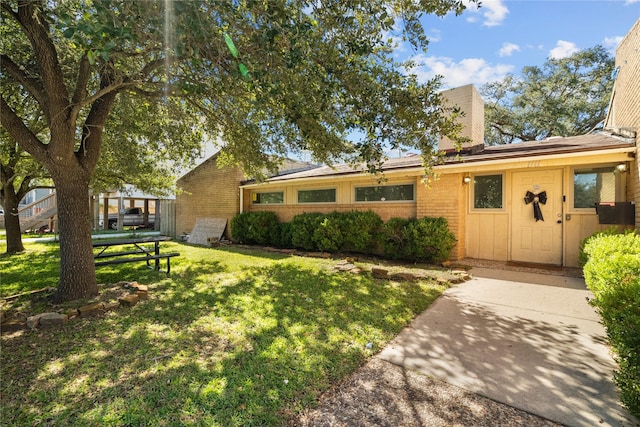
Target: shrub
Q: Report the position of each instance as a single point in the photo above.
(329, 233)
(424, 239)
(361, 231)
(395, 238)
(281, 235)
(612, 273)
(582, 255)
(254, 227)
(303, 227)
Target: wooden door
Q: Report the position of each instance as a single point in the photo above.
(536, 237)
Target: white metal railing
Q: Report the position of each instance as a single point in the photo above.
(38, 212)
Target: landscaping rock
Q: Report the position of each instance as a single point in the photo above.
(442, 280)
(129, 300)
(380, 273)
(345, 267)
(403, 275)
(143, 295)
(91, 310)
(33, 321)
(113, 305)
(53, 319)
(139, 287)
(13, 325)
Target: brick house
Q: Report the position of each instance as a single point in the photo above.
(487, 194)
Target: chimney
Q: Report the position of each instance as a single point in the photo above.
(469, 101)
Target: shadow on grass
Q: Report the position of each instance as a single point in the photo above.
(214, 346)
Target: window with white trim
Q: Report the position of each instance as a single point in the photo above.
(594, 185)
(317, 196)
(267, 198)
(488, 192)
(385, 193)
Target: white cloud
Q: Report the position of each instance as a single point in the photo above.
(563, 49)
(628, 2)
(469, 70)
(434, 35)
(612, 43)
(493, 11)
(507, 49)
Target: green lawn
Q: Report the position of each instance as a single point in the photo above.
(233, 337)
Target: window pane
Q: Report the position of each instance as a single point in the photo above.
(487, 192)
(384, 193)
(317, 196)
(593, 186)
(275, 197)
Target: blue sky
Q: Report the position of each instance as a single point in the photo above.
(503, 36)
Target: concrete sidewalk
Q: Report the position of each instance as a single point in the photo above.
(528, 340)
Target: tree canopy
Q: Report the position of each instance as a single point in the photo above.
(153, 78)
(565, 97)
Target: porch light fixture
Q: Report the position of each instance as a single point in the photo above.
(621, 167)
(466, 180)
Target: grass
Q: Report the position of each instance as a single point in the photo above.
(233, 337)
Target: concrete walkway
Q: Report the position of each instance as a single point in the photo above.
(528, 340)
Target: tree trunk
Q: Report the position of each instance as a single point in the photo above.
(12, 221)
(77, 269)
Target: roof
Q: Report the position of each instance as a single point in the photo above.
(547, 147)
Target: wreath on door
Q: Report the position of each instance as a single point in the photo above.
(536, 199)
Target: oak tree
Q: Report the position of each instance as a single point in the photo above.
(564, 97)
(267, 78)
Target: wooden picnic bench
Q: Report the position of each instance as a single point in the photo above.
(125, 256)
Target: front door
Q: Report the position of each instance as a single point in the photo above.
(536, 223)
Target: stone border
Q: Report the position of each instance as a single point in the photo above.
(379, 272)
(137, 293)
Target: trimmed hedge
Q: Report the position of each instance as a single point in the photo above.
(425, 239)
(254, 227)
(612, 273)
(353, 231)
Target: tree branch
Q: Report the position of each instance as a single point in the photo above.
(36, 29)
(17, 129)
(30, 84)
(84, 72)
(89, 150)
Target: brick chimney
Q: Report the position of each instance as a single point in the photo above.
(469, 101)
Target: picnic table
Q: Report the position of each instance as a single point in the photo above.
(141, 248)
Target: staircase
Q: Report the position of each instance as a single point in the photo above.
(38, 213)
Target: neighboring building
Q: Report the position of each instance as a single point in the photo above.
(211, 191)
(531, 202)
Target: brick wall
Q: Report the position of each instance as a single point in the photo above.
(625, 110)
(446, 198)
(208, 192)
(471, 103)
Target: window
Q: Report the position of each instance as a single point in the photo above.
(317, 196)
(487, 192)
(591, 186)
(268, 198)
(386, 193)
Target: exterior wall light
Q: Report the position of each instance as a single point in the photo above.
(621, 167)
(466, 180)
